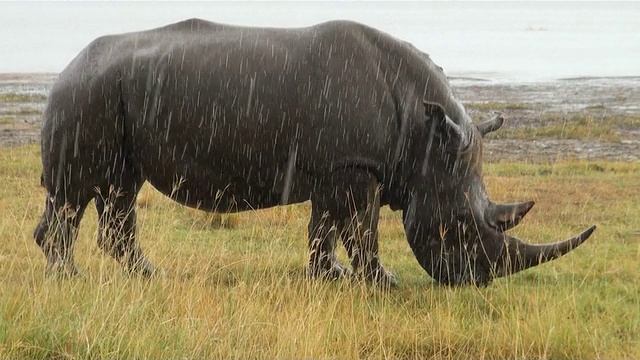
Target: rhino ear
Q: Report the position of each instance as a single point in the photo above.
(453, 134)
(434, 112)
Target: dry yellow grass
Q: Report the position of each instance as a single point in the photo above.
(241, 292)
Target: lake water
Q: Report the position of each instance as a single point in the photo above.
(501, 41)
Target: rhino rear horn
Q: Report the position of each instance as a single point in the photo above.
(491, 125)
(503, 217)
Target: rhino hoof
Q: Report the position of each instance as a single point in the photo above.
(382, 278)
(336, 272)
(60, 270)
(145, 268)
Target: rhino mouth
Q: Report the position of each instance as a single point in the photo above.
(458, 270)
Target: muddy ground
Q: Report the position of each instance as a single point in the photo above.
(611, 106)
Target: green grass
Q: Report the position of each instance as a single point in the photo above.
(240, 291)
(606, 128)
(7, 120)
(499, 106)
(22, 98)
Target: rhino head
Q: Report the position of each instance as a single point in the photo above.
(456, 233)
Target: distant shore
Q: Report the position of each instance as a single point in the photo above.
(589, 118)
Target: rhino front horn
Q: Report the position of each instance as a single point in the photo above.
(522, 256)
(491, 125)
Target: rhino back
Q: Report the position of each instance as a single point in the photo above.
(220, 106)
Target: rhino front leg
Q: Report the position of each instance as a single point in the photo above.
(350, 198)
(322, 242)
(359, 235)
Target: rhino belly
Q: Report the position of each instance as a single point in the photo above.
(219, 194)
(216, 174)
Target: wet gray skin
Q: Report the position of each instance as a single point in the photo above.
(226, 118)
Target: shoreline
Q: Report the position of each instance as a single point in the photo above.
(583, 105)
(459, 77)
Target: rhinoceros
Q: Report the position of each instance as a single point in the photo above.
(228, 118)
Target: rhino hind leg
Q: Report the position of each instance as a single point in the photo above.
(322, 242)
(117, 224)
(56, 233)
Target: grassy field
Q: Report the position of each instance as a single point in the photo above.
(239, 290)
(609, 128)
(595, 122)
